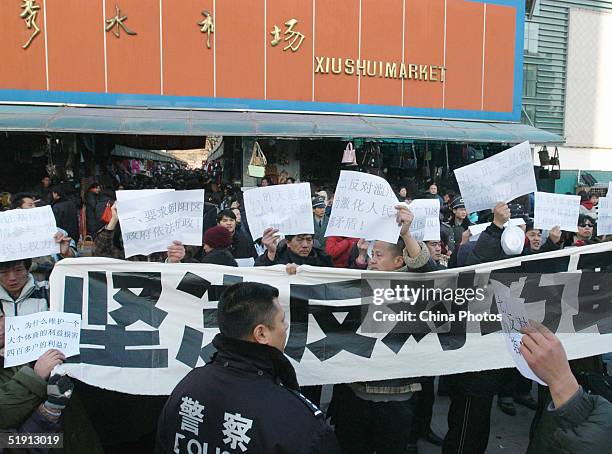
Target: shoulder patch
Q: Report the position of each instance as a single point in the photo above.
(316, 411)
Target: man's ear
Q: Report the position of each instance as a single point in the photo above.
(399, 261)
(260, 334)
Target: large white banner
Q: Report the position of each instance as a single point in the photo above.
(146, 325)
(500, 178)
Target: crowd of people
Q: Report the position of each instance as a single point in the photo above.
(250, 374)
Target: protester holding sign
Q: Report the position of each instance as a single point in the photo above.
(294, 251)
(109, 243)
(534, 236)
(501, 177)
(32, 401)
(376, 416)
(574, 421)
(42, 266)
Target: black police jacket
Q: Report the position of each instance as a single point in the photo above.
(245, 401)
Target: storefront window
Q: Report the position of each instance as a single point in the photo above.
(530, 74)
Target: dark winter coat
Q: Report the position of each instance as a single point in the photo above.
(583, 425)
(219, 256)
(256, 386)
(22, 391)
(242, 246)
(67, 217)
(285, 256)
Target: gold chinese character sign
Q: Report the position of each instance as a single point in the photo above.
(117, 23)
(29, 15)
(207, 26)
(293, 37)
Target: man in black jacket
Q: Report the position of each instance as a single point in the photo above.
(247, 399)
(297, 250)
(242, 246)
(66, 213)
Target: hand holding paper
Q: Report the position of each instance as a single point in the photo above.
(404, 218)
(363, 208)
(502, 177)
(514, 318)
(47, 362)
(546, 356)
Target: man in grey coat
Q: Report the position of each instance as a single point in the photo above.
(320, 220)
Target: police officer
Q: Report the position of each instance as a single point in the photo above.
(247, 399)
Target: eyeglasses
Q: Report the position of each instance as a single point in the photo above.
(590, 226)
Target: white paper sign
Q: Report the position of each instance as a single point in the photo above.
(500, 178)
(27, 233)
(514, 318)
(129, 194)
(29, 336)
(604, 215)
(150, 223)
(426, 223)
(609, 193)
(286, 207)
(556, 209)
(364, 207)
(246, 263)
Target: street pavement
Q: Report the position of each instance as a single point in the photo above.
(508, 435)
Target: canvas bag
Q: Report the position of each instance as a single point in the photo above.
(349, 157)
(257, 165)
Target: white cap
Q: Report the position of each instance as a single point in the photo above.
(513, 240)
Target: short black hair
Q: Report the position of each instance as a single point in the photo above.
(397, 248)
(225, 213)
(245, 305)
(27, 263)
(59, 190)
(17, 199)
(582, 218)
(290, 237)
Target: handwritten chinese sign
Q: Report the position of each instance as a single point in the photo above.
(150, 223)
(29, 336)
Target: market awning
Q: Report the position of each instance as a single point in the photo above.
(101, 120)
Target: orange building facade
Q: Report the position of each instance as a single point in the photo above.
(423, 58)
